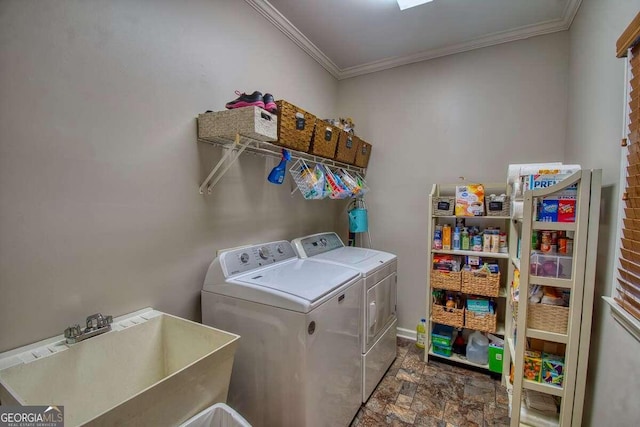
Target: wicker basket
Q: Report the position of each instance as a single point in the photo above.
(481, 283)
(499, 208)
(347, 148)
(363, 153)
(449, 280)
(325, 139)
(447, 316)
(252, 122)
(480, 322)
(550, 318)
(295, 126)
(443, 206)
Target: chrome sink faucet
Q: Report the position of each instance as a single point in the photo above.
(96, 324)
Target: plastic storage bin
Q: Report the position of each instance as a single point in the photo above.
(551, 265)
(442, 351)
(218, 415)
(442, 335)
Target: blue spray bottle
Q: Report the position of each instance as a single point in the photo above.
(276, 176)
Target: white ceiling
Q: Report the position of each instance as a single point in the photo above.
(354, 37)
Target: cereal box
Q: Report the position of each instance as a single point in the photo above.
(470, 200)
(566, 210)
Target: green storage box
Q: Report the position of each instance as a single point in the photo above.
(442, 351)
(442, 335)
(495, 358)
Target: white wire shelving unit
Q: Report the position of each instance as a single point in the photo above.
(236, 146)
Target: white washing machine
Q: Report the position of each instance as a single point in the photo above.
(379, 270)
(298, 359)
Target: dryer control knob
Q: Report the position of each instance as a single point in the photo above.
(279, 249)
(244, 257)
(264, 252)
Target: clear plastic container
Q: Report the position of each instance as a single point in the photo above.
(478, 348)
(551, 265)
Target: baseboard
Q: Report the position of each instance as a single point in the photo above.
(409, 334)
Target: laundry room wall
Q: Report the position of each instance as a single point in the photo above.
(469, 115)
(596, 103)
(99, 164)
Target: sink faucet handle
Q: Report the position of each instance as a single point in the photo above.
(72, 331)
(96, 321)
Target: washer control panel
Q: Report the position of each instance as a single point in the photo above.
(321, 243)
(240, 260)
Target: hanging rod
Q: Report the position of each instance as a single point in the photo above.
(236, 146)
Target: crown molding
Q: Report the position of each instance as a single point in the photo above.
(287, 28)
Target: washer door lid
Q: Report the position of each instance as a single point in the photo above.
(304, 278)
(365, 260)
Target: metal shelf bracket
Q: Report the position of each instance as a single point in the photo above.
(232, 154)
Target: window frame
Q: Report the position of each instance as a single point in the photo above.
(625, 43)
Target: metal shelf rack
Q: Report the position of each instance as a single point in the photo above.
(234, 147)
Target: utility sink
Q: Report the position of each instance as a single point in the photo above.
(150, 369)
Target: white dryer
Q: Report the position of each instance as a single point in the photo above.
(297, 362)
(379, 270)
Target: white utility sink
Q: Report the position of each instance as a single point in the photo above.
(151, 369)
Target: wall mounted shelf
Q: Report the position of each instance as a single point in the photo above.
(234, 147)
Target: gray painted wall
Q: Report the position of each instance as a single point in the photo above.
(99, 164)
(596, 98)
(467, 115)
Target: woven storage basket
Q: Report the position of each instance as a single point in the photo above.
(481, 283)
(550, 318)
(480, 322)
(443, 206)
(499, 208)
(252, 122)
(449, 280)
(295, 126)
(325, 139)
(447, 316)
(363, 153)
(347, 148)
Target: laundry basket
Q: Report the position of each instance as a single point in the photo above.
(218, 415)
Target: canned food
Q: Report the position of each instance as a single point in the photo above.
(535, 242)
(562, 245)
(545, 247)
(569, 246)
(545, 237)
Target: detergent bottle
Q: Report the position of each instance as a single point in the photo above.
(421, 337)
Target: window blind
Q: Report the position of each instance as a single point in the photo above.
(628, 281)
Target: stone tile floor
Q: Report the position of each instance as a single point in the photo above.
(414, 393)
